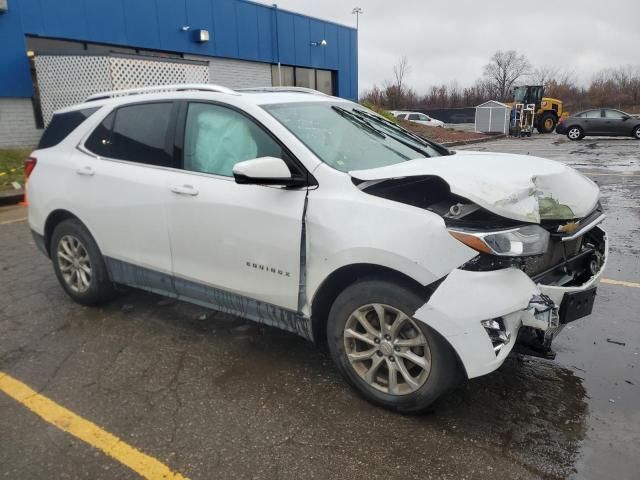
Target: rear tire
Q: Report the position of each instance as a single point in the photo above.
(79, 265)
(636, 133)
(403, 366)
(575, 133)
(547, 123)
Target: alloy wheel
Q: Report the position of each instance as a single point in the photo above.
(574, 133)
(75, 265)
(387, 349)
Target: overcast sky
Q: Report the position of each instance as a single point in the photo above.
(452, 40)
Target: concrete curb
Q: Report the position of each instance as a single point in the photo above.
(471, 142)
(11, 197)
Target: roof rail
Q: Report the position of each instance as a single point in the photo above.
(203, 87)
(282, 89)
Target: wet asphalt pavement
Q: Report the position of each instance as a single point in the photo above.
(213, 396)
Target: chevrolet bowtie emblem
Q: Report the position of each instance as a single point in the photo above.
(570, 227)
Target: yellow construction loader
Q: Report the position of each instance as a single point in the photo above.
(547, 110)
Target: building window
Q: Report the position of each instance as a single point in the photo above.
(101, 48)
(288, 78)
(38, 44)
(324, 81)
(321, 80)
(159, 54)
(41, 45)
(305, 77)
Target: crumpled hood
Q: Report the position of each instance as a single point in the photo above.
(519, 187)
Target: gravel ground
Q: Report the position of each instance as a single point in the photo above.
(449, 133)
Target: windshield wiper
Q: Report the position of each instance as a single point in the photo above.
(358, 121)
(364, 116)
(403, 131)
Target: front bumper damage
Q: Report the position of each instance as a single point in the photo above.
(482, 313)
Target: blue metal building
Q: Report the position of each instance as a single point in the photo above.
(240, 39)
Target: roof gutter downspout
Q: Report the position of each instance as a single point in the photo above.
(275, 9)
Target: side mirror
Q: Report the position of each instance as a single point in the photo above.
(265, 171)
(625, 118)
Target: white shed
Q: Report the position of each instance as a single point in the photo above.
(492, 117)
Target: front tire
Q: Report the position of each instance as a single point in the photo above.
(636, 133)
(547, 123)
(389, 357)
(575, 133)
(79, 265)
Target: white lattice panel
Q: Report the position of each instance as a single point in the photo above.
(67, 80)
(134, 73)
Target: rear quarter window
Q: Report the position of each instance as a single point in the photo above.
(136, 133)
(62, 124)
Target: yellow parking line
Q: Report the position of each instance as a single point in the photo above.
(146, 466)
(620, 282)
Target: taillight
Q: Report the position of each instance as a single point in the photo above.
(29, 165)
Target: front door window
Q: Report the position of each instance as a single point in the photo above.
(216, 138)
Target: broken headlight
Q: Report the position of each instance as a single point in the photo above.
(513, 242)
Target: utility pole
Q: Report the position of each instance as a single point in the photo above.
(357, 11)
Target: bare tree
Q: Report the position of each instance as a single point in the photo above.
(543, 75)
(400, 72)
(613, 87)
(504, 70)
(397, 93)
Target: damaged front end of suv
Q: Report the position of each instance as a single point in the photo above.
(539, 250)
(552, 254)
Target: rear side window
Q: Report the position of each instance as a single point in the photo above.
(99, 142)
(137, 133)
(62, 124)
(414, 116)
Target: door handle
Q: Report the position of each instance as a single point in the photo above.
(86, 171)
(184, 190)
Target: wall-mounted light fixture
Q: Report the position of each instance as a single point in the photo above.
(321, 43)
(202, 36)
(4, 6)
(199, 35)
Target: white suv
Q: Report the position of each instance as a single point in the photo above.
(315, 215)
